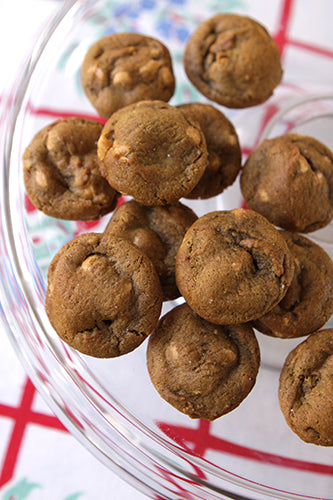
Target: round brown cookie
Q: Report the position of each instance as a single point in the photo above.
(233, 60)
(289, 180)
(61, 172)
(233, 266)
(203, 370)
(224, 154)
(123, 68)
(308, 303)
(104, 296)
(306, 389)
(158, 231)
(152, 152)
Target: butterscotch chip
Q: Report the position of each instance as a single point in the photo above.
(158, 231)
(233, 266)
(61, 171)
(103, 297)
(124, 68)
(233, 61)
(306, 389)
(224, 154)
(203, 370)
(152, 152)
(289, 180)
(308, 303)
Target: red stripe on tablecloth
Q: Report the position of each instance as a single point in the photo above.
(199, 441)
(22, 415)
(282, 40)
(35, 417)
(311, 48)
(58, 113)
(281, 36)
(17, 433)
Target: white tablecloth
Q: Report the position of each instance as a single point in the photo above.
(39, 459)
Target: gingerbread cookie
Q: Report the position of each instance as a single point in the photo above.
(308, 303)
(124, 68)
(151, 151)
(224, 154)
(233, 60)
(158, 231)
(61, 172)
(103, 296)
(289, 180)
(306, 389)
(203, 370)
(233, 266)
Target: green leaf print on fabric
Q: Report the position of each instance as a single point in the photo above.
(20, 490)
(74, 496)
(23, 488)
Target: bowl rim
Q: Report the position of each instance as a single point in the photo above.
(292, 105)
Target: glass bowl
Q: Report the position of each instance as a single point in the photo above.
(110, 405)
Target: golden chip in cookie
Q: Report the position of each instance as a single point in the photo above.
(124, 68)
(232, 266)
(61, 171)
(289, 180)
(158, 231)
(203, 370)
(306, 389)
(233, 60)
(153, 152)
(103, 297)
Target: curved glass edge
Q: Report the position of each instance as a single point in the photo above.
(10, 288)
(291, 105)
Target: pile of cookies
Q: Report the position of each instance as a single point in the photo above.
(236, 270)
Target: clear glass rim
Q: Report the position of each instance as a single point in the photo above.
(291, 105)
(123, 455)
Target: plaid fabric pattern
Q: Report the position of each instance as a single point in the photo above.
(32, 438)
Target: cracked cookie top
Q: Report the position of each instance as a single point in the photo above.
(233, 60)
(232, 266)
(124, 68)
(203, 370)
(306, 389)
(289, 180)
(153, 152)
(61, 171)
(158, 231)
(103, 296)
(308, 303)
(224, 153)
